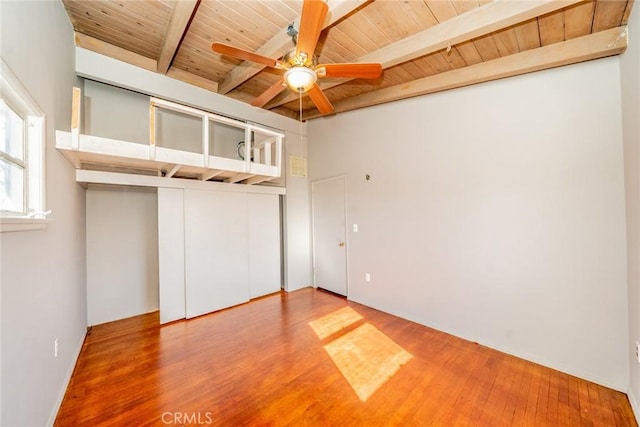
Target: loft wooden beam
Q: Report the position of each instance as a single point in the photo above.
(593, 46)
(208, 175)
(115, 52)
(183, 10)
(76, 115)
(238, 177)
(257, 179)
(173, 171)
(281, 42)
(477, 22)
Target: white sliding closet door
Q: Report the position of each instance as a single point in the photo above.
(171, 254)
(264, 244)
(216, 250)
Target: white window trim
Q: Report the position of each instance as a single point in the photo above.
(15, 92)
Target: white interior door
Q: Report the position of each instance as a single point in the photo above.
(329, 235)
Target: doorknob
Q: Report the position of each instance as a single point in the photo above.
(341, 244)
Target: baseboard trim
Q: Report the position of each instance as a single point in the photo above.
(634, 404)
(65, 384)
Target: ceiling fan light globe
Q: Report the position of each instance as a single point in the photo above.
(300, 79)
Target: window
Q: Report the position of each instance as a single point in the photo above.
(21, 151)
(13, 167)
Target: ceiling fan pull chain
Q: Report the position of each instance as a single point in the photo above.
(300, 97)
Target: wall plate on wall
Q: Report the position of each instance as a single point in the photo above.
(297, 166)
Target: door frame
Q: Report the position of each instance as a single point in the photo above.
(346, 230)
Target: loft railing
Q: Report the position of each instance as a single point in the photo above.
(264, 145)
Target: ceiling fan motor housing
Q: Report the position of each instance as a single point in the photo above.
(301, 60)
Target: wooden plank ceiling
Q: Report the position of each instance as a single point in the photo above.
(424, 46)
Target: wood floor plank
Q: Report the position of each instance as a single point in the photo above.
(574, 399)
(543, 398)
(610, 411)
(495, 401)
(564, 410)
(470, 404)
(516, 376)
(261, 363)
(520, 411)
(459, 370)
(468, 393)
(552, 398)
(586, 413)
(531, 405)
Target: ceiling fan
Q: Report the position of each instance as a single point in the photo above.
(301, 70)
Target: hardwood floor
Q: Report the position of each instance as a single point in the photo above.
(262, 364)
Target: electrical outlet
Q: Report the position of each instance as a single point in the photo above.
(367, 277)
(638, 351)
(55, 348)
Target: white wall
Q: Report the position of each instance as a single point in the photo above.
(630, 85)
(178, 131)
(297, 220)
(224, 139)
(495, 213)
(122, 253)
(115, 113)
(297, 246)
(42, 272)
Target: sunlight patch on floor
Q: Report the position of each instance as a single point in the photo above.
(365, 356)
(334, 322)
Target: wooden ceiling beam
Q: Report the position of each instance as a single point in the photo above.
(477, 22)
(281, 42)
(486, 19)
(183, 10)
(115, 52)
(597, 45)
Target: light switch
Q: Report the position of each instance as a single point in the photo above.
(355, 228)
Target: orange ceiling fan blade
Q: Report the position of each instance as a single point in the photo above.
(320, 99)
(269, 94)
(311, 19)
(245, 55)
(353, 71)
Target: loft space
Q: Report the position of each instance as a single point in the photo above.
(124, 131)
